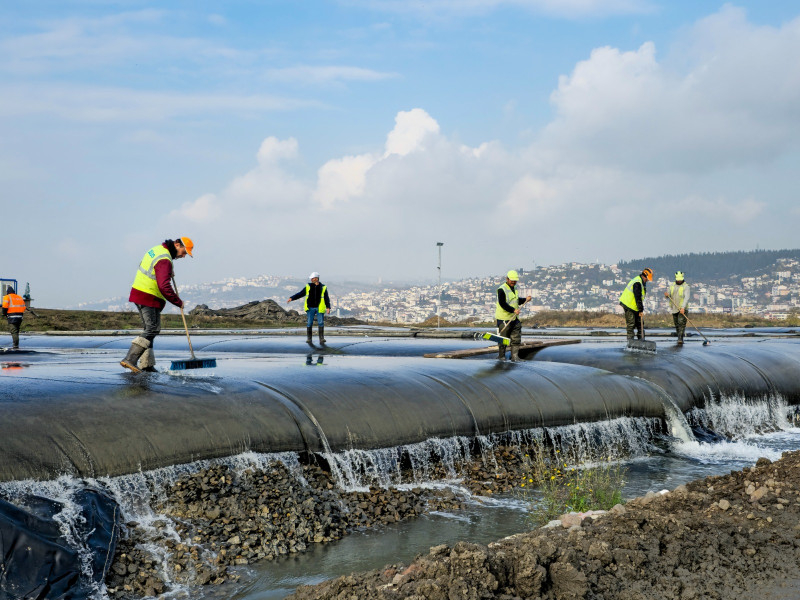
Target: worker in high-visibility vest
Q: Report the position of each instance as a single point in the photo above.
(632, 300)
(13, 309)
(150, 292)
(316, 305)
(506, 313)
(678, 298)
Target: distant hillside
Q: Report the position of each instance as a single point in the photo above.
(712, 266)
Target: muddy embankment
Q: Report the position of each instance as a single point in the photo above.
(724, 537)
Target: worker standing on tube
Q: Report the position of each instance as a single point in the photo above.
(13, 309)
(632, 300)
(507, 315)
(152, 288)
(316, 305)
(678, 298)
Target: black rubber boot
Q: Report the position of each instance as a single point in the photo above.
(138, 346)
(515, 353)
(501, 352)
(322, 334)
(308, 335)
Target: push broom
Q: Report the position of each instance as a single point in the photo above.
(194, 362)
(706, 341)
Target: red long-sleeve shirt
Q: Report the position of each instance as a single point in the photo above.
(164, 280)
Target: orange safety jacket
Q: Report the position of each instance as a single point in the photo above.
(14, 304)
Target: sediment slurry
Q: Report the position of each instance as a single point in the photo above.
(717, 538)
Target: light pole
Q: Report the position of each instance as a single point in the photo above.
(439, 308)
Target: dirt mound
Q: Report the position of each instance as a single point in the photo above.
(721, 538)
(268, 311)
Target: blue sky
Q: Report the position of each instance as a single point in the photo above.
(349, 137)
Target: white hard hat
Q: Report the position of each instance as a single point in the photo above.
(314, 274)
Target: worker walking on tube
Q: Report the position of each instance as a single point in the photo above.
(317, 303)
(151, 290)
(678, 298)
(632, 300)
(507, 315)
(13, 309)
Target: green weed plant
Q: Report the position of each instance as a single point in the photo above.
(552, 486)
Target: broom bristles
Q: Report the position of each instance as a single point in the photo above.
(196, 363)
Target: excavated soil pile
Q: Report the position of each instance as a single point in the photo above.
(724, 537)
(265, 310)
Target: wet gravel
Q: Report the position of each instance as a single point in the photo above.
(216, 519)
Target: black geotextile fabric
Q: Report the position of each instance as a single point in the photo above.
(38, 562)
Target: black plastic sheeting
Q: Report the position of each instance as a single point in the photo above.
(37, 560)
(70, 408)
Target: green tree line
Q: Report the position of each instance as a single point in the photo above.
(711, 266)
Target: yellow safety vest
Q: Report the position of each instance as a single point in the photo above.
(145, 280)
(322, 306)
(512, 299)
(15, 304)
(627, 298)
(676, 292)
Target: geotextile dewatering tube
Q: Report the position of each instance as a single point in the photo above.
(68, 412)
(92, 420)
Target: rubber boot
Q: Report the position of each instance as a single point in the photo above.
(515, 353)
(308, 335)
(322, 334)
(138, 346)
(147, 362)
(501, 352)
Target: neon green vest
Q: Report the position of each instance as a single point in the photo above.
(322, 306)
(512, 299)
(145, 280)
(676, 292)
(627, 298)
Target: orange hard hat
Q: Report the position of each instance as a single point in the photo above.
(188, 244)
(649, 273)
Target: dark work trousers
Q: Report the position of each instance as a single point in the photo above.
(151, 322)
(633, 321)
(680, 323)
(513, 332)
(14, 324)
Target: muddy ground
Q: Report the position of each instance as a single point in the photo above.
(726, 537)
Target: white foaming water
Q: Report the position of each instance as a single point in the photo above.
(737, 417)
(717, 452)
(745, 421)
(357, 470)
(623, 437)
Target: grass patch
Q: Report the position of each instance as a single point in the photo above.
(552, 487)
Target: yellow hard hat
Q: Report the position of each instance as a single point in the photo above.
(188, 244)
(512, 275)
(679, 276)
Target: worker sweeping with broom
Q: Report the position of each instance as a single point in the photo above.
(507, 315)
(678, 295)
(152, 289)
